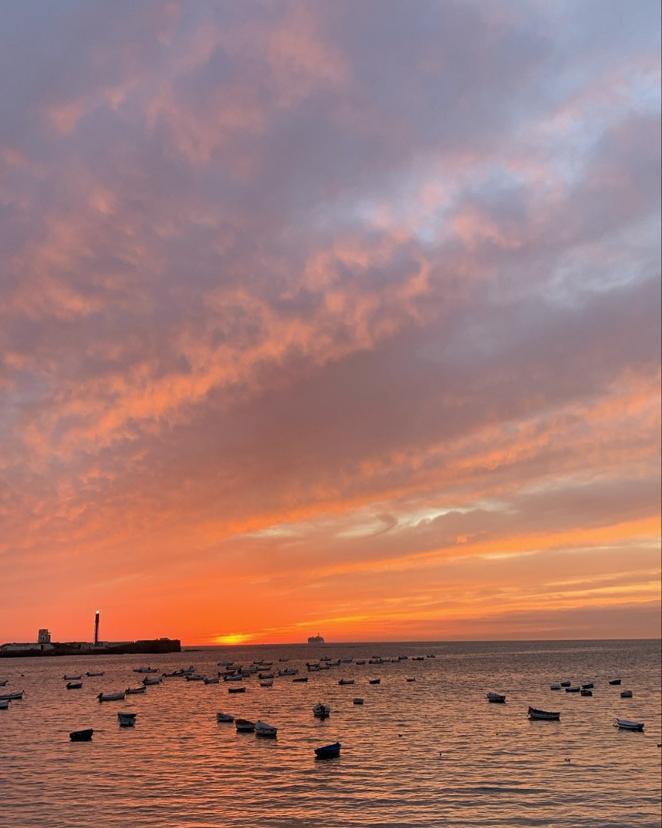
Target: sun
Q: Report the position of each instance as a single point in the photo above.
(233, 638)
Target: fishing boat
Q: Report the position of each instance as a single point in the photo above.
(15, 696)
(300, 679)
(410, 679)
(212, 680)
(4, 704)
(3, 682)
(357, 701)
(236, 689)
(224, 717)
(626, 694)
(265, 675)
(90, 674)
(71, 678)
(566, 683)
(105, 697)
(588, 686)
(151, 682)
(265, 730)
(244, 725)
(572, 689)
(133, 691)
(269, 683)
(328, 751)
(361, 662)
(555, 687)
(344, 681)
(615, 681)
(375, 681)
(626, 724)
(126, 719)
(74, 685)
(543, 715)
(191, 677)
(81, 735)
(321, 711)
(496, 698)
(586, 692)
(288, 671)
(232, 677)
(145, 670)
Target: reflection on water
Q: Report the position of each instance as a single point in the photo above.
(426, 753)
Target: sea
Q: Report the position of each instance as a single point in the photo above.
(432, 752)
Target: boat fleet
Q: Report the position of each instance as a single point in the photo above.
(235, 674)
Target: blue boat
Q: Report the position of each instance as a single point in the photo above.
(328, 751)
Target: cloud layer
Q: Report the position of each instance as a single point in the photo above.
(330, 315)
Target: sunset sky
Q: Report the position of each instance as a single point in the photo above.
(336, 317)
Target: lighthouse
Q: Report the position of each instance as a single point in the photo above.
(96, 628)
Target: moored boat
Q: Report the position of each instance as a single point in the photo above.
(145, 670)
(90, 674)
(496, 698)
(375, 681)
(71, 678)
(572, 689)
(357, 701)
(236, 689)
(106, 697)
(614, 681)
(265, 730)
(4, 704)
(151, 682)
(410, 678)
(81, 735)
(126, 719)
(133, 691)
(328, 751)
(321, 711)
(224, 717)
(588, 686)
(626, 694)
(555, 687)
(543, 715)
(627, 724)
(300, 679)
(268, 683)
(74, 685)
(15, 696)
(212, 680)
(344, 681)
(566, 683)
(244, 725)
(586, 692)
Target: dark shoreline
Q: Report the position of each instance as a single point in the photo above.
(147, 647)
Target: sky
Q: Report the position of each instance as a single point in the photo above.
(330, 317)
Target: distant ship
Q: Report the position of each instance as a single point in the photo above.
(316, 639)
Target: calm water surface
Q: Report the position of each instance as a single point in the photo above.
(429, 753)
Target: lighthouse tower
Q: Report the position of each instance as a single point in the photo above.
(96, 628)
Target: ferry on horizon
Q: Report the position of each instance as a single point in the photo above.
(316, 639)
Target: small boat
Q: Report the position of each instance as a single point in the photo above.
(626, 724)
(4, 704)
(104, 697)
(543, 715)
(346, 660)
(344, 681)
(626, 694)
(496, 698)
(288, 671)
(615, 681)
(588, 686)
(212, 680)
(410, 678)
(265, 675)
(244, 726)
(361, 662)
(572, 689)
(565, 683)
(232, 677)
(126, 719)
(145, 670)
(81, 735)
(265, 730)
(321, 711)
(133, 691)
(555, 687)
(269, 683)
(300, 679)
(236, 689)
(357, 701)
(151, 682)
(71, 678)
(586, 692)
(15, 696)
(90, 674)
(3, 682)
(224, 717)
(74, 685)
(193, 677)
(375, 681)
(328, 751)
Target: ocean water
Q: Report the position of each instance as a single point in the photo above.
(428, 753)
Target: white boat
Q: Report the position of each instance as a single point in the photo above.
(321, 711)
(496, 698)
(104, 697)
(15, 696)
(626, 694)
(150, 682)
(266, 730)
(4, 704)
(626, 724)
(133, 691)
(126, 719)
(244, 725)
(224, 717)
